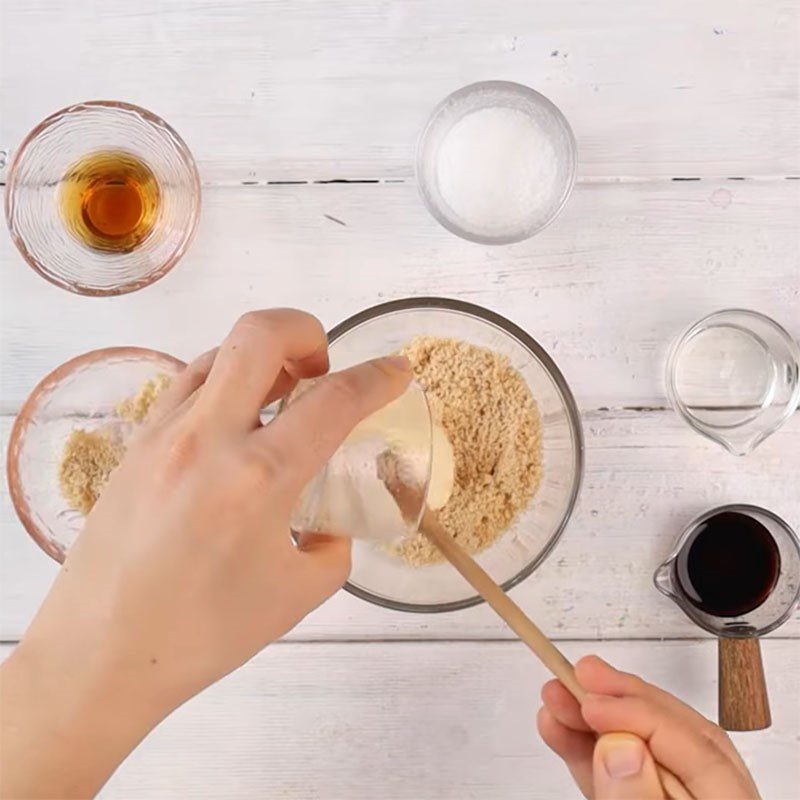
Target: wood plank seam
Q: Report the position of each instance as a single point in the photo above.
(585, 180)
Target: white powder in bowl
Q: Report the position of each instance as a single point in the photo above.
(498, 171)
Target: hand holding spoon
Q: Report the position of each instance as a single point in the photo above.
(506, 608)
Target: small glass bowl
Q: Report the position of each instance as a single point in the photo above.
(385, 579)
(734, 376)
(81, 393)
(35, 178)
(477, 97)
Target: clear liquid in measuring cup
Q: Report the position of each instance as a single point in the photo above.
(734, 376)
(725, 376)
(729, 566)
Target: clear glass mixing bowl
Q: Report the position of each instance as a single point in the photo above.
(384, 579)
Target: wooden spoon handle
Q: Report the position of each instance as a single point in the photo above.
(743, 698)
(524, 627)
(508, 610)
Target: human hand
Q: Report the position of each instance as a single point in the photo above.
(185, 568)
(637, 723)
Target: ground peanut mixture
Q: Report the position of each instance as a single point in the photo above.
(90, 457)
(136, 408)
(493, 423)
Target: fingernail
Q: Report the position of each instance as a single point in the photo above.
(622, 756)
(399, 362)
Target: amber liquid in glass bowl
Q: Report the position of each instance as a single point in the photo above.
(110, 201)
(102, 198)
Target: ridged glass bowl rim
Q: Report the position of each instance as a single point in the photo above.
(186, 157)
(571, 408)
(28, 412)
(423, 184)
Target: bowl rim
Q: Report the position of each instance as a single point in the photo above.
(510, 87)
(134, 284)
(572, 412)
(25, 416)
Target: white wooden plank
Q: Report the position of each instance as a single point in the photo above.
(605, 289)
(414, 721)
(647, 476)
(286, 90)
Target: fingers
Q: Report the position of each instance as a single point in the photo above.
(284, 384)
(574, 747)
(599, 677)
(261, 346)
(193, 376)
(690, 731)
(623, 769)
(683, 748)
(182, 386)
(302, 439)
(563, 706)
(324, 562)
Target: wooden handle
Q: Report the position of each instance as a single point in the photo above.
(743, 698)
(524, 627)
(514, 616)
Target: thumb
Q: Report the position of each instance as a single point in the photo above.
(311, 428)
(624, 769)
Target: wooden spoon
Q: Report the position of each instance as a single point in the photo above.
(408, 499)
(523, 626)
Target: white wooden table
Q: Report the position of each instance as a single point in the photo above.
(303, 118)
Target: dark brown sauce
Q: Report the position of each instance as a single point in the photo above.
(729, 566)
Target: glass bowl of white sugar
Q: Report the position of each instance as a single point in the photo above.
(496, 162)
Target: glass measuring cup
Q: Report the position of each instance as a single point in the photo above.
(743, 703)
(349, 496)
(734, 377)
(778, 606)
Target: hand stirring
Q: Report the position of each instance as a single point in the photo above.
(408, 498)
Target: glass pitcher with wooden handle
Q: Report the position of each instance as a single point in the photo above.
(735, 572)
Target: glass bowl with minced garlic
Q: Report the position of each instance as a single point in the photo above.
(72, 432)
(516, 448)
